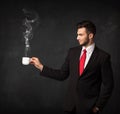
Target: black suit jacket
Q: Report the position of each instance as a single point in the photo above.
(92, 88)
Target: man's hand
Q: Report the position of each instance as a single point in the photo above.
(95, 110)
(36, 62)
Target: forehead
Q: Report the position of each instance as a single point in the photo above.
(81, 30)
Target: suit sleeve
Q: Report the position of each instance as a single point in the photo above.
(58, 74)
(107, 83)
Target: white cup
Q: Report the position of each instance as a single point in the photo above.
(25, 60)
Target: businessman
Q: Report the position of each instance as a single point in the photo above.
(89, 70)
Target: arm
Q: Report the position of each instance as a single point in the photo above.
(58, 74)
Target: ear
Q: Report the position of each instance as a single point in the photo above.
(90, 35)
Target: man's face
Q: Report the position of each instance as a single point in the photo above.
(82, 36)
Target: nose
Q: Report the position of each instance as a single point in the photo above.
(77, 37)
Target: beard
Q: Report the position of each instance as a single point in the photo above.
(85, 43)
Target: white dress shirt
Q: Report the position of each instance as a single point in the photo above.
(89, 52)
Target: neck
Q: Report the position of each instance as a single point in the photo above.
(88, 44)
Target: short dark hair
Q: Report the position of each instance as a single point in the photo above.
(90, 26)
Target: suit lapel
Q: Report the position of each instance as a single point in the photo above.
(76, 59)
(90, 62)
(92, 59)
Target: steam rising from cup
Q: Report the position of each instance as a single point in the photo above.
(31, 17)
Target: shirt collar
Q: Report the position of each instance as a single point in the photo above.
(90, 48)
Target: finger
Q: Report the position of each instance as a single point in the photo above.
(34, 58)
(31, 60)
(32, 63)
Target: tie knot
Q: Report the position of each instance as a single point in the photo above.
(84, 51)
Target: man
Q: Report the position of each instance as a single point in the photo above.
(90, 72)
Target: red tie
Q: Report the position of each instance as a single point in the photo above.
(82, 62)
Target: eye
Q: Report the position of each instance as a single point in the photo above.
(80, 34)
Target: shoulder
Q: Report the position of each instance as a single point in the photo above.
(102, 52)
(74, 50)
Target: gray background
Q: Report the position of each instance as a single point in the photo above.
(22, 89)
